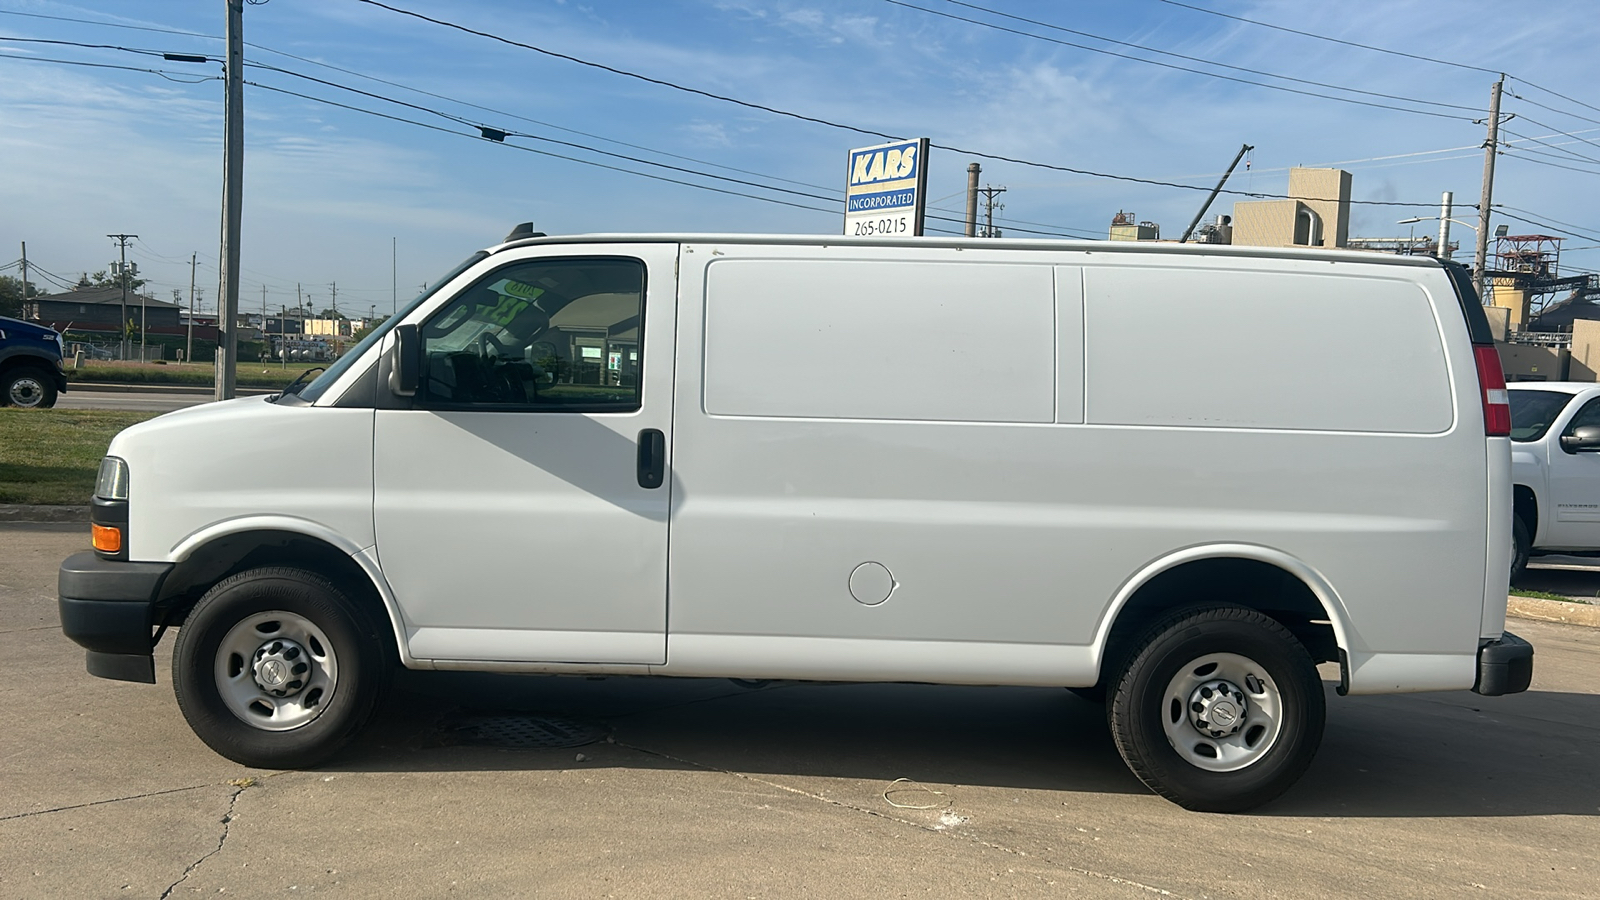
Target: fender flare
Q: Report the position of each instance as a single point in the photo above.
(365, 557)
(1326, 596)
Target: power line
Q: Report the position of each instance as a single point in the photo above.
(1549, 227)
(170, 76)
(483, 128)
(1530, 212)
(1558, 132)
(866, 131)
(1418, 57)
(1332, 40)
(415, 90)
(12, 12)
(1196, 59)
(660, 82)
(1545, 162)
(535, 150)
(1566, 155)
(1559, 112)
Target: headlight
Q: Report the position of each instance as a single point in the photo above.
(113, 481)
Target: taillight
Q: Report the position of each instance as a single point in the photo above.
(1492, 385)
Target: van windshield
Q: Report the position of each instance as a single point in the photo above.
(1533, 411)
(311, 392)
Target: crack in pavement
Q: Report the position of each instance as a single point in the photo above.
(227, 828)
(41, 812)
(1076, 870)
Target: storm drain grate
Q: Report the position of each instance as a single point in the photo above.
(524, 732)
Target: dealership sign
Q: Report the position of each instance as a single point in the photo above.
(886, 189)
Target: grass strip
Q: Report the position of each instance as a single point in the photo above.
(51, 456)
(269, 375)
(1546, 595)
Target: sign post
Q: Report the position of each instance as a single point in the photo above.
(886, 190)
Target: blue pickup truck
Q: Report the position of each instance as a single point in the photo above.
(30, 364)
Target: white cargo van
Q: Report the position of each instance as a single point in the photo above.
(1178, 477)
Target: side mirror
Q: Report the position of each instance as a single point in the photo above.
(1583, 439)
(405, 361)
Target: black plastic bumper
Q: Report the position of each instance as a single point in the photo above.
(1504, 666)
(107, 607)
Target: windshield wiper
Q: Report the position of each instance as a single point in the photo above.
(299, 382)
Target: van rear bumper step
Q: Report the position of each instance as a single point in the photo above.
(1504, 666)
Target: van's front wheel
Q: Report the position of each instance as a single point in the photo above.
(1220, 710)
(276, 668)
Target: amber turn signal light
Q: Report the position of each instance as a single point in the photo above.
(107, 539)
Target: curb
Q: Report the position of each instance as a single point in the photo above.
(126, 387)
(1553, 611)
(26, 514)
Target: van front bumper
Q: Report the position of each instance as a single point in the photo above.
(1504, 666)
(108, 607)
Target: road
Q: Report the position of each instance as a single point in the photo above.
(707, 789)
(137, 400)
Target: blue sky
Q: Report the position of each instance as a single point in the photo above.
(328, 191)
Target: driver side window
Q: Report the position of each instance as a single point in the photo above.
(547, 334)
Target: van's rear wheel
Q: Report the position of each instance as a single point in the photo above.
(1220, 709)
(277, 668)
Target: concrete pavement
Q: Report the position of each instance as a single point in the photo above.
(708, 789)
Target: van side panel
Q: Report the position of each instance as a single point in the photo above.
(870, 339)
(794, 512)
(1264, 349)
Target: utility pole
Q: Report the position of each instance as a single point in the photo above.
(142, 319)
(122, 275)
(989, 206)
(232, 193)
(394, 278)
(973, 170)
(188, 353)
(1480, 259)
(1214, 192)
(24, 279)
(266, 339)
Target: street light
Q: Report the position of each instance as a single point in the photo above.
(1415, 219)
(1479, 281)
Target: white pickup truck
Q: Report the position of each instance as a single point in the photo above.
(1555, 469)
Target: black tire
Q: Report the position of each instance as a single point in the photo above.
(1153, 710)
(28, 387)
(306, 629)
(1521, 548)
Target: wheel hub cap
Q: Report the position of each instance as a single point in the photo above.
(280, 667)
(1218, 708)
(26, 392)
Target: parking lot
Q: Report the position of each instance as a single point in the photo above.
(705, 788)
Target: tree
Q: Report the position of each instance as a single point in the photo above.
(109, 278)
(11, 295)
(366, 329)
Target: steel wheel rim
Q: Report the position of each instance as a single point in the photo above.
(1255, 733)
(26, 391)
(247, 663)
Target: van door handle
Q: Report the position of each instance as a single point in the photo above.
(652, 458)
